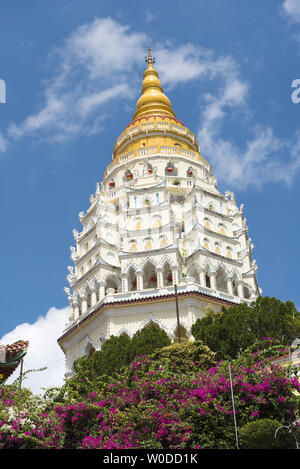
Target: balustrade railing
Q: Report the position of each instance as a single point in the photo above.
(152, 126)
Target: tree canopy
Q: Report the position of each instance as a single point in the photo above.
(147, 340)
(234, 329)
(172, 399)
(120, 351)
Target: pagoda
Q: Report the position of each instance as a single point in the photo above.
(156, 221)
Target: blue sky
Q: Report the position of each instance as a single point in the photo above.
(73, 73)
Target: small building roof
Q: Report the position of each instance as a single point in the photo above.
(10, 357)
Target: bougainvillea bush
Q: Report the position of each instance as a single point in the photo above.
(150, 404)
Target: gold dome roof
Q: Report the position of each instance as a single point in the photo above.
(155, 128)
(153, 101)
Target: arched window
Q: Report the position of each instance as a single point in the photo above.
(207, 279)
(156, 221)
(150, 276)
(128, 175)
(163, 241)
(89, 350)
(124, 334)
(181, 332)
(112, 283)
(229, 252)
(222, 229)
(148, 243)
(147, 203)
(111, 184)
(170, 169)
(234, 285)
(246, 292)
(217, 249)
(148, 169)
(132, 282)
(206, 244)
(132, 245)
(221, 280)
(190, 172)
(139, 224)
(167, 275)
(207, 276)
(192, 272)
(207, 223)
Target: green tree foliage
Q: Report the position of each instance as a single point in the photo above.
(91, 371)
(234, 329)
(147, 340)
(267, 349)
(115, 354)
(260, 434)
(185, 357)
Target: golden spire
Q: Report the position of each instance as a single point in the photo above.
(153, 100)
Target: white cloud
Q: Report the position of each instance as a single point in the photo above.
(292, 9)
(104, 47)
(97, 64)
(149, 16)
(89, 102)
(93, 67)
(188, 62)
(43, 349)
(264, 157)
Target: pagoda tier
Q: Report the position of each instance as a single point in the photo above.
(157, 219)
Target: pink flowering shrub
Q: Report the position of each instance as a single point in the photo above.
(150, 405)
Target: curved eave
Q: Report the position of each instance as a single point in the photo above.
(153, 298)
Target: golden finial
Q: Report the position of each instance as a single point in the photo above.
(153, 100)
(149, 60)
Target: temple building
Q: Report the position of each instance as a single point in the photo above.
(156, 220)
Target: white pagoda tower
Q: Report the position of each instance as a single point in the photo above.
(156, 220)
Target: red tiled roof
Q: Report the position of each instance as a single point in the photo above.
(13, 357)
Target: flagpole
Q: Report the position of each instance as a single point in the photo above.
(177, 314)
(21, 373)
(233, 408)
